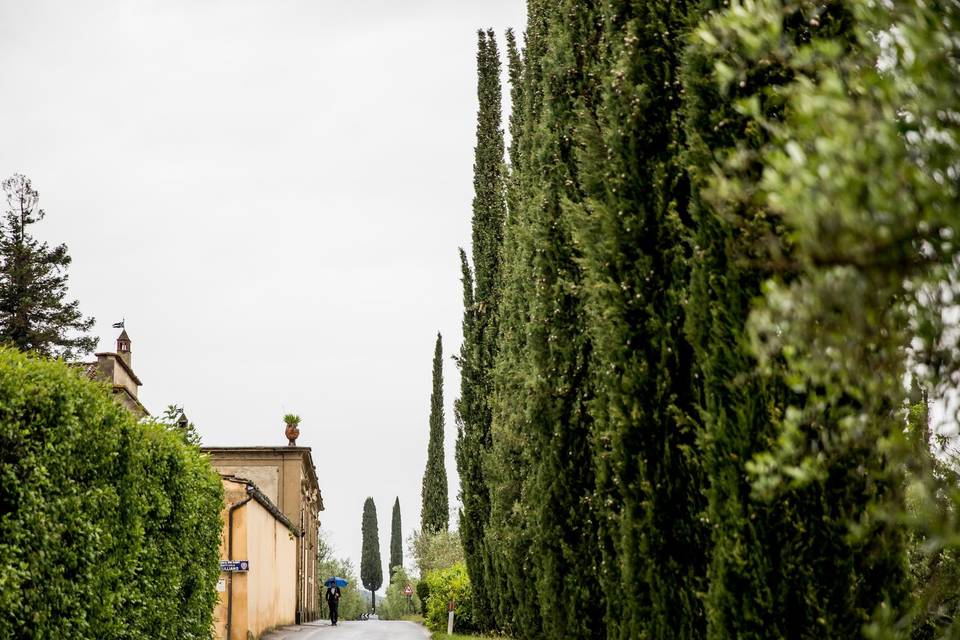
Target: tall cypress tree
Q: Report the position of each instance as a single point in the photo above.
(396, 540)
(371, 567)
(622, 326)
(34, 314)
(508, 546)
(435, 514)
(481, 303)
(560, 388)
(631, 230)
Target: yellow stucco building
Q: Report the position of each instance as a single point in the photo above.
(263, 595)
(284, 477)
(271, 519)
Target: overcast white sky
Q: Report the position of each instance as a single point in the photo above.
(272, 194)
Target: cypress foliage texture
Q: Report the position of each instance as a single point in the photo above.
(34, 313)
(396, 540)
(435, 513)
(371, 567)
(667, 458)
(631, 228)
(561, 484)
(481, 302)
(509, 533)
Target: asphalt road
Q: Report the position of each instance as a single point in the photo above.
(368, 630)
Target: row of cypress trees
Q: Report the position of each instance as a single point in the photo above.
(614, 416)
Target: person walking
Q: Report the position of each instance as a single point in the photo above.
(333, 601)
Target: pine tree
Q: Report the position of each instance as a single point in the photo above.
(371, 568)
(481, 302)
(435, 513)
(396, 540)
(34, 315)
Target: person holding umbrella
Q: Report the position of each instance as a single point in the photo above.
(333, 585)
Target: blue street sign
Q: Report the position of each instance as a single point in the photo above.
(234, 565)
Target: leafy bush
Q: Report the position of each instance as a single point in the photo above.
(396, 605)
(432, 551)
(423, 592)
(178, 565)
(451, 583)
(109, 528)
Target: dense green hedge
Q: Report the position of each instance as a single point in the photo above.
(108, 528)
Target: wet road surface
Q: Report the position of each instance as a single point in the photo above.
(367, 630)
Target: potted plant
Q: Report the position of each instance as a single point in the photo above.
(292, 430)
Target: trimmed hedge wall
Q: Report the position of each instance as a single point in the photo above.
(109, 528)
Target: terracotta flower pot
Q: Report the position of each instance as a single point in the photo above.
(293, 432)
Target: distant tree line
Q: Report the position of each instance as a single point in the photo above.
(721, 251)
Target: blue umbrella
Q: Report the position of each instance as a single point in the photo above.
(335, 581)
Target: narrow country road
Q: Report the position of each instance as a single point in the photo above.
(368, 630)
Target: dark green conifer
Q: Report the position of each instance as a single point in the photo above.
(631, 229)
(481, 302)
(738, 406)
(371, 567)
(558, 496)
(34, 314)
(396, 540)
(435, 513)
(507, 473)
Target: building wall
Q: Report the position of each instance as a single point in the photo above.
(265, 596)
(266, 476)
(287, 477)
(270, 583)
(123, 379)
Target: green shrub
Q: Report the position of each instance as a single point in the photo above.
(435, 550)
(108, 528)
(423, 592)
(178, 566)
(69, 529)
(451, 583)
(395, 604)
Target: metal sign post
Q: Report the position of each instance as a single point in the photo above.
(408, 591)
(450, 606)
